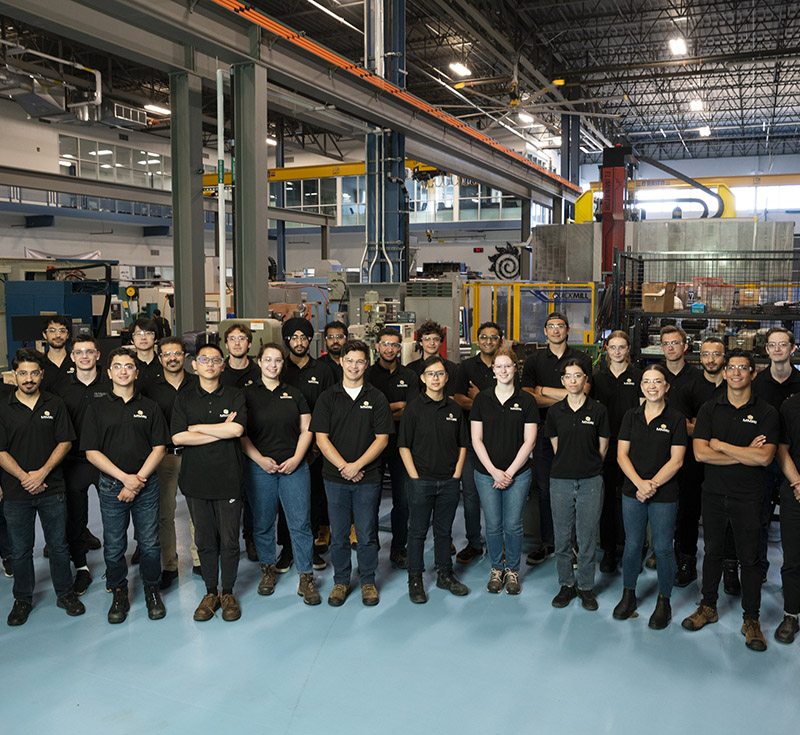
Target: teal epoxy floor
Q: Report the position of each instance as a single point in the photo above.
(480, 664)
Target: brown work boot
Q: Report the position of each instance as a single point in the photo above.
(369, 595)
(338, 595)
(753, 637)
(323, 539)
(700, 617)
(307, 590)
(230, 607)
(207, 607)
(267, 584)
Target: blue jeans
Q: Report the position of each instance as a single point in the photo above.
(426, 497)
(346, 500)
(576, 506)
(294, 491)
(20, 517)
(542, 463)
(502, 513)
(472, 501)
(116, 515)
(635, 516)
(399, 477)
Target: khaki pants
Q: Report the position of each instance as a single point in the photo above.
(168, 471)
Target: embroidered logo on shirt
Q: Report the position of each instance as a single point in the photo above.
(249, 382)
(451, 418)
(365, 405)
(401, 384)
(515, 407)
(286, 395)
(663, 428)
(313, 380)
(628, 382)
(588, 421)
(750, 419)
(46, 415)
(140, 414)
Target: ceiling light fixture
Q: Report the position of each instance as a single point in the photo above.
(559, 82)
(158, 109)
(524, 117)
(696, 105)
(272, 141)
(459, 68)
(705, 131)
(677, 46)
(333, 15)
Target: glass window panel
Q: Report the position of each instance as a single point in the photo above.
(166, 165)
(311, 194)
(67, 146)
(140, 160)
(88, 149)
(124, 176)
(168, 183)
(88, 169)
(140, 178)
(122, 156)
(327, 191)
(294, 194)
(107, 172)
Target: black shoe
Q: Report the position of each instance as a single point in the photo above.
(119, 606)
(46, 552)
(446, 580)
(399, 558)
(285, 560)
(137, 555)
(588, 599)
(626, 606)
(8, 567)
(71, 604)
(168, 576)
(91, 541)
(155, 607)
(468, 554)
(19, 613)
(730, 578)
(545, 551)
(564, 597)
(687, 571)
(82, 581)
(250, 547)
(608, 564)
(416, 590)
(661, 615)
(787, 630)
(197, 570)
(319, 562)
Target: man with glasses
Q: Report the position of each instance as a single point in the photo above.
(57, 362)
(735, 436)
(541, 377)
(164, 390)
(124, 436)
(78, 391)
(399, 385)
(335, 334)
(143, 336)
(430, 337)
(207, 421)
(35, 436)
(352, 422)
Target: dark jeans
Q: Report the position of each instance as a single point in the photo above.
(661, 517)
(773, 479)
(744, 517)
(612, 534)
(502, 514)
(5, 541)
(399, 478)
(79, 476)
(542, 464)
(117, 515)
(690, 481)
(319, 506)
(216, 533)
(426, 497)
(790, 539)
(346, 500)
(472, 501)
(20, 517)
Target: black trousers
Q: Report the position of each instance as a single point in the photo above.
(690, 481)
(790, 540)
(79, 475)
(612, 533)
(744, 517)
(216, 534)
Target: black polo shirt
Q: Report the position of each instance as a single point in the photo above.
(773, 392)
(681, 389)
(148, 371)
(351, 426)
(210, 471)
(162, 392)
(434, 431)
(401, 384)
(578, 434)
(694, 395)
(449, 366)
(718, 419)
(77, 397)
(335, 367)
(503, 425)
(237, 378)
(273, 418)
(30, 436)
(311, 379)
(544, 368)
(790, 427)
(651, 446)
(124, 432)
(618, 395)
(54, 374)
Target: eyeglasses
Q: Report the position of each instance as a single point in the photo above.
(574, 376)
(673, 343)
(144, 334)
(205, 360)
(489, 337)
(435, 373)
(390, 345)
(431, 338)
(117, 366)
(24, 373)
(299, 338)
(739, 368)
(56, 330)
(349, 361)
(172, 354)
(84, 353)
(233, 338)
(712, 354)
(269, 360)
(780, 345)
(557, 325)
(654, 381)
(336, 337)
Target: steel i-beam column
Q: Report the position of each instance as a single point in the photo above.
(186, 139)
(280, 201)
(250, 248)
(570, 155)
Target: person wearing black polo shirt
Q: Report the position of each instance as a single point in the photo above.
(124, 436)
(399, 385)
(78, 391)
(617, 385)
(541, 377)
(430, 337)
(652, 444)
(432, 441)
(775, 384)
(5, 544)
(164, 390)
(35, 436)
(578, 429)
(143, 337)
(352, 422)
(57, 363)
(504, 423)
(474, 375)
(335, 335)
(207, 422)
(735, 436)
(311, 377)
(276, 445)
(789, 460)
(163, 328)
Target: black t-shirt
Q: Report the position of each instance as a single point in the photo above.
(240, 378)
(124, 432)
(335, 367)
(449, 366)
(695, 394)
(401, 384)
(434, 431)
(54, 374)
(30, 436)
(164, 395)
(618, 395)
(210, 471)
(718, 419)
(682, 389)
(148, 371)
(351, 426)
(773, 392)
(312, 379)
(578, 433)
(651, 447)
(790, 427)
(273, 419)
(77, 397)
(504, 426)
(544, 368)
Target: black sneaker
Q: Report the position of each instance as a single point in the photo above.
(319, 563)
(564, 597)
(446, 580)
(71, 604)
(137, 555)
(8, 567)
(155, 607)
(168, 576)
(416, 589)
(399, 558)
(588, 599)
(19, 613)
(608, 564)
(545, 551)
(687, 570)
(119, 606)
(82, 581)
(285, 560)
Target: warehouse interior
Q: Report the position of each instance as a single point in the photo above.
(384, 162)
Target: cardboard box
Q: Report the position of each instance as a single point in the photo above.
(658, 297)
(749, 296)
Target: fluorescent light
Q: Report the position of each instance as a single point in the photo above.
(67, 155)
(557, 141)
(157, 109)
(524, 117)
(333, 15)
(677, 46)
(100, 153)
(272, 141)
(153, 155)
(66, 163)
(705, 131)
(106, 165)
(460, 69)
(696, 105)
(118, 165)
(141, 163)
